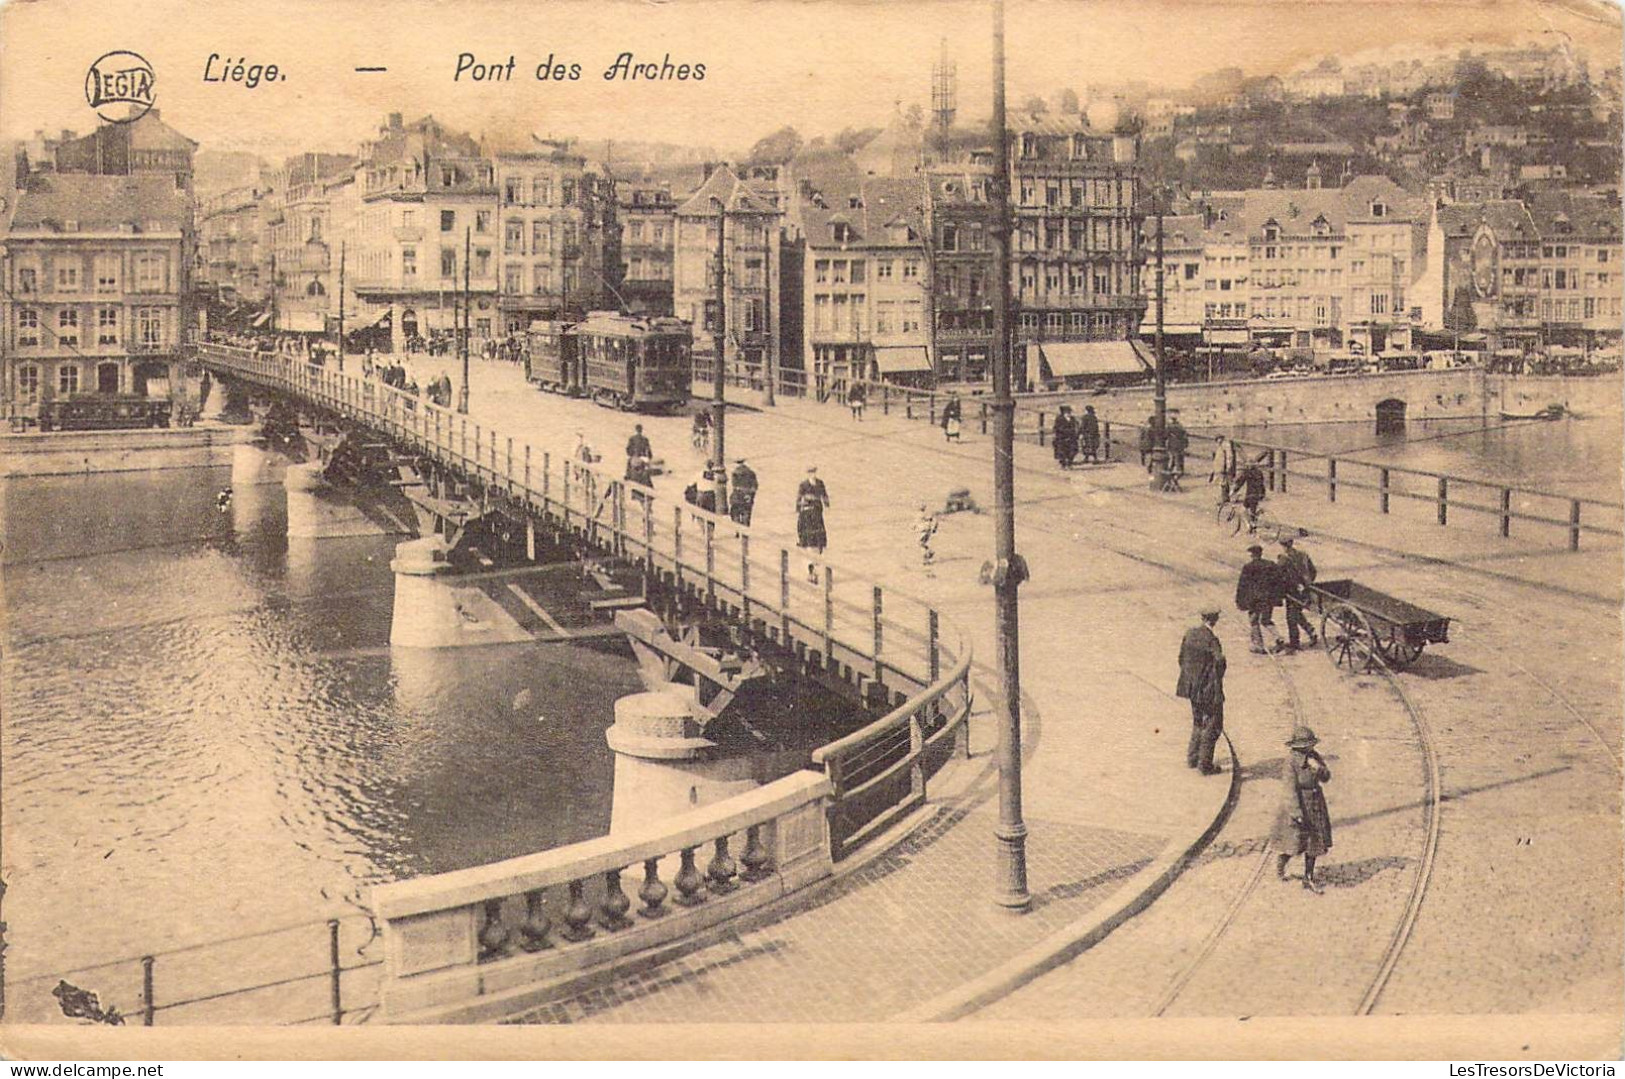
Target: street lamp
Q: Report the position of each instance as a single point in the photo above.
(719, 413)
(1159, 425)
(1009, 569)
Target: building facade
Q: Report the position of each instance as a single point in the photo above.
(229, 247)
(560, 243)
(963, 269)
(648, 220)
(424, 223)
(751, 260)
(301, 242)
(1077, 251)
(97, 274)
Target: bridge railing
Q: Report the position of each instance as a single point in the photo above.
(1416, 495)
(512, 926)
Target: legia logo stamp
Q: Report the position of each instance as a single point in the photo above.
(119, 86)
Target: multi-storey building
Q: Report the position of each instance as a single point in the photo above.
(560, 253)
(1579, 268)
(146, 146)
(1483, 273)
(229, 238)
(1076, 252)
(962, 268)
(751, 260)
(865, 287)
(96, 288)
(1183, 247)
(424, 222)
(300, 254)
(648, 219)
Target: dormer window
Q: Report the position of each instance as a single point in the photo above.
(1379, 209)
(1029, 145)
(854, 202)
(842, 232)
(1271, 232)
(1080, 149)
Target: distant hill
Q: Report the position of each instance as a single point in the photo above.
(214, 171)
(628, 156)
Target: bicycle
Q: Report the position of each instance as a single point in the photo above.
(1232, 516)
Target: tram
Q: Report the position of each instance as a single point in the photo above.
(620, 361)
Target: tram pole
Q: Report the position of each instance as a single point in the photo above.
(719, 406)
(1009, 568)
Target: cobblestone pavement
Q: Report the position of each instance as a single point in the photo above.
(1523, 908)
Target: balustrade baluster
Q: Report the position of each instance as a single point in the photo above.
(1506, 511)
(829, 618)
(784, 595)
(653, 893)
(723, 869)
(983, 405)
(690, 885)
(1040, 428)
(1331, 479)
(879, 624)
(536, 925)
(616, 904)
(1574, 524)
(493, 934)
(1106, 439)
(755, 857)
(1382, 490)
(710, 561)
(1444, 499)
(677, 543)
(1283, 472)
(744, 577)
(578, 915)
(934, 635)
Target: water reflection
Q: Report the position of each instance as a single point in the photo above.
(1580, 457)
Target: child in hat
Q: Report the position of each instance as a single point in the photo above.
(1303, 826)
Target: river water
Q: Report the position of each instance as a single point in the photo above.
(206, 732)
(1580, 458)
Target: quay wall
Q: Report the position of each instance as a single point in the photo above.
(61, 453)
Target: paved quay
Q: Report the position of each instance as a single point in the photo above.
(1520, 714)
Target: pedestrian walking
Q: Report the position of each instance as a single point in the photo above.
(857, 396)
(1223, 468)
(637, 446)
(1064, 437)
(1201, 681)
(700, 432)
(951, 418)
(1303, 825)
(925, 527)
(1258, 592)
(812, 498)
(1178, 440)
(1089, 435)
(1148, 441)
(742, 492)
(1297, 572)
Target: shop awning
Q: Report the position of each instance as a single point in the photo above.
(895, 359)
(1070, 358)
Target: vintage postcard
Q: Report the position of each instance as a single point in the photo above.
(817, 528)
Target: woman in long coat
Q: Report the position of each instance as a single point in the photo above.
(1303, 825)
(811, 498)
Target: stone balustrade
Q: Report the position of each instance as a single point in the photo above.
(487, 941)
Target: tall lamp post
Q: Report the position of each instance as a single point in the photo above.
(1009, 569)
(1159, 427)
(719, 407)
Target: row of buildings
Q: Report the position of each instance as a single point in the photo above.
(877, 264)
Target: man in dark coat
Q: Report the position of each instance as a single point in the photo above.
(1297, 571)
(1065, 437)
(1258, 592)
(1251, 482)
(742, 492)
(1201, 681)
(1179, 440)
(1090, 435)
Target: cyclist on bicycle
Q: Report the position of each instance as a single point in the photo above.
(1251, 482)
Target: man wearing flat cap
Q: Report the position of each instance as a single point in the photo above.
(1201, 681)
(1258, 592)
(1297, 572)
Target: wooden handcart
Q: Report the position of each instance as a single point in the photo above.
(1360, 626)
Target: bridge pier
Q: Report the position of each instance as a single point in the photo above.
(317, 510)
(664, 765)
(432, 611)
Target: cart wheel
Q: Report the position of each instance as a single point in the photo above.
(1348, 638)
(1398, 650)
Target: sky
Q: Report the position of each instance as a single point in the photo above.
(819, 65)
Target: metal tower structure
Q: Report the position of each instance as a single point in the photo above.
(944, 90)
